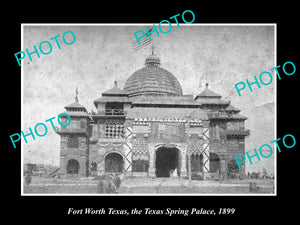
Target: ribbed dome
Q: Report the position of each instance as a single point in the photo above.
(152, 80)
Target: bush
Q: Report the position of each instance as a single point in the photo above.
(108, 183)
(28, 179)
(106, 186)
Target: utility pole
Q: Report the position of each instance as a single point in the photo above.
(189, 152)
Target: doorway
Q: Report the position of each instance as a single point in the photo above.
(72, 166)
(167, 159)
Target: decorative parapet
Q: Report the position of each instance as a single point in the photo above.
(238, 132)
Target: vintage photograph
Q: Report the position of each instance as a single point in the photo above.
(161, 116)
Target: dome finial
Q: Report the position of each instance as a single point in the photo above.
(152, 49)
(152, 60)
(206, 85)
(116, 79)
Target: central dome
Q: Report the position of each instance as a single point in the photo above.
(152, 80)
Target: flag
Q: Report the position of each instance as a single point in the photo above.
(143, 41)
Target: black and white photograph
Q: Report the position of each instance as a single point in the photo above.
(156, 115)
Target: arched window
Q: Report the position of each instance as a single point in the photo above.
(73, 166)
(114, 163)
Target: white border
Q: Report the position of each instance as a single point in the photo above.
(22, 124)
(151, 24)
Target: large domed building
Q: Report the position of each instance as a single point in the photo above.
(150, 128)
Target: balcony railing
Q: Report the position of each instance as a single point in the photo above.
(114, 112)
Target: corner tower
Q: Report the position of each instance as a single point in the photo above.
(227, 133)
(74, 144)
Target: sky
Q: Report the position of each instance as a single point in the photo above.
(196, 54)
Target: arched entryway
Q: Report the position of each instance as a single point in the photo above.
(166, 160)
(72, 166)
(214, 163)
(114, 163)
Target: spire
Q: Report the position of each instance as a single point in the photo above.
(152, 49)
(116, 79)
(206, 85)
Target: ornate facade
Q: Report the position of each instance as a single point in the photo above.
(151, 129)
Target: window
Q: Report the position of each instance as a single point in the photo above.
(73, 142)
(114, 128)
(114, 108)
(197, 163)
(214, 163)
(114, 131)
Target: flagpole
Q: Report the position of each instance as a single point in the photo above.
(76, 93)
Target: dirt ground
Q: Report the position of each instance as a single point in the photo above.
(150, 186)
